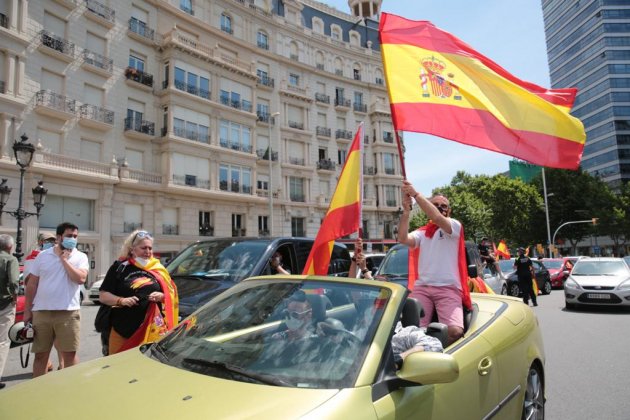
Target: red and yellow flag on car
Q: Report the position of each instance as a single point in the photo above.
(344, 213)
(439, 85)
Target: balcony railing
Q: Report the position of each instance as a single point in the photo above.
(388, 137)
(195, 135)
(97, 60)
(239, 232)
(342, 102)
(297, 197)
(359, 107)
(263, 233)
(191, 181)
(326, 164)
(3, 87)
(390, 171)
(4, 20)
(170, 229)
(323, 131)
(96, 113)
(343, 134)
(188, 10)
(390, 203)
(296, 161)
(369, 170)
(296, 125)
(247, 148)
(263, 45)
(132, 73)
(266, 81)
(56, 43)
(138, 27)
(264, 155)
(101, 10)
(141, 126)
(320, 97)
(319, 66)
(339, 72)
(379, 81)
(236, 104)
(54, 100)
(129, 227)
(265, 117)
(293, 57)
(192, 89)
(206, 230)
(227, 29)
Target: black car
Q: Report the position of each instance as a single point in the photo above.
(543, 279)
(206, 268)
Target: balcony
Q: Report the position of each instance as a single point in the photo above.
(296, 125)
(390, 203)
(140, 31)
(3, 87)
(343, 134)
(342, 103)
(129, 227)
(264, 155)
(259, 9)
(294, 57)
(4, 20)
(227, 29)
(242, 104)
(322, 99)
(297, 197)
(263, 45)
(390, 171)
(191, 181)
(55, 105)
(206, 230)
(139, 78)
(263, 233)
(266, 81)
(170, 229)
(194, 135)
(359, 107)
(339, 72)
(369, 170)
(239, 232)
(97, 63)
(319, 66)
(326, 165)
(388, 137)
(139, 129)
(296, 161)
(265, 117)
(56, 46)
(188, 10)
(379, 81)
(192, 89)
(323, 131)
(247, 148)
(100, 13)
(96, 117)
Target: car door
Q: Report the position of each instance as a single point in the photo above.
(473, 395)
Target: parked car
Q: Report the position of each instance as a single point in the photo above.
(627, 260)
(206, 268)
(543, 279)
(598, 281)
(229, 360)
(94, 292)
(558, 272)
(395, 268)
(372, 262)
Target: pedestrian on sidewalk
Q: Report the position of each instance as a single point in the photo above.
(9, 278)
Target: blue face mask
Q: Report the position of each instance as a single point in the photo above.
(69, 243)
(47, 245)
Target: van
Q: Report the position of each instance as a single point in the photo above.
(206, 268)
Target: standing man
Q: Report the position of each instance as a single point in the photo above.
(9, 278)
(525, 273)
(52, 298)
(442, 283)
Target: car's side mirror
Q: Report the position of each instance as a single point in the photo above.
(472, 271)
(429, 368)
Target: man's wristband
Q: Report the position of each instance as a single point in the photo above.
(364, 270)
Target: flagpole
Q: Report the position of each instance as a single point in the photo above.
(361, 146)
(547, 213)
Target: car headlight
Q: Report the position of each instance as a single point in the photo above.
(571, 284)
(625, 285)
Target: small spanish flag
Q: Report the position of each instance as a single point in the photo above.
(439, 85)
(502, 251)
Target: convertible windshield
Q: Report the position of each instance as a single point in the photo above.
(296, 334)
(220, 258)
(599, 268)
(395, 263)
(554, 264)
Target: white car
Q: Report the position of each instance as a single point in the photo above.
(94, 292)
(598, 281)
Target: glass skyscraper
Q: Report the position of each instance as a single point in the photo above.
(588, 47)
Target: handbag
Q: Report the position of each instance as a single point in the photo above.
(102, 320)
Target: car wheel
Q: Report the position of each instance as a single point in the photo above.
(546, 288)
(514, 290)
(534, 401)
(504, 290)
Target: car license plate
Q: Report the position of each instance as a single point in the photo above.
(598, 295)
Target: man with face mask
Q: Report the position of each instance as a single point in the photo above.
(52, 298)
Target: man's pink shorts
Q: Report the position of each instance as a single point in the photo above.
(447, 300)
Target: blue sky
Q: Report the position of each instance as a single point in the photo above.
(510, 33)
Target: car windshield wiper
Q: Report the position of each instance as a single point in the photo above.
(227, 367)
(159, 352)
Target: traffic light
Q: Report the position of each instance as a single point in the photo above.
(595, 220)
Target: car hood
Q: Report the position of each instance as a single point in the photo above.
(606, 281)
(131, 385)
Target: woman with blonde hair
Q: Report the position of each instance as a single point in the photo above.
(141, 293)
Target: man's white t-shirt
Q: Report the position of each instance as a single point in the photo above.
(56, 291)
(438, 262)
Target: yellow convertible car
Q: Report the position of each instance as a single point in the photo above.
(306, 347)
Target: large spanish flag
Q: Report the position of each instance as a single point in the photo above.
(344, 212)
(439, 85)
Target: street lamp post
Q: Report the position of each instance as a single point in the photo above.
(271, 120)
(549, 242)
(593, 221)
(23, 152)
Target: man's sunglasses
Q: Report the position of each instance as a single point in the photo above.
(441, 206)
(296, 314)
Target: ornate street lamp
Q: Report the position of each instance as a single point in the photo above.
(23, 156)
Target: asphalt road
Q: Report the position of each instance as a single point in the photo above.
(587, 367)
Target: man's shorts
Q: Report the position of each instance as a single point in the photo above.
(61, 327)
(446, 300)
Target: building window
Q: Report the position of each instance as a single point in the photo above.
(206, 224)
(296, 189)
(191, 130)
(235, 178)
(235, 136)
(342, 155)
(263, 229)
(297, 226)
(186, 6)
(390, 195)
(238, 228)
(226, 23)
(192, 83)
(262, 40)
(294, 80)
(136, 62)
(58, 208)
(388, 163)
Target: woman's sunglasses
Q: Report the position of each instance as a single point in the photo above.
(142, 234)
(296, 314)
